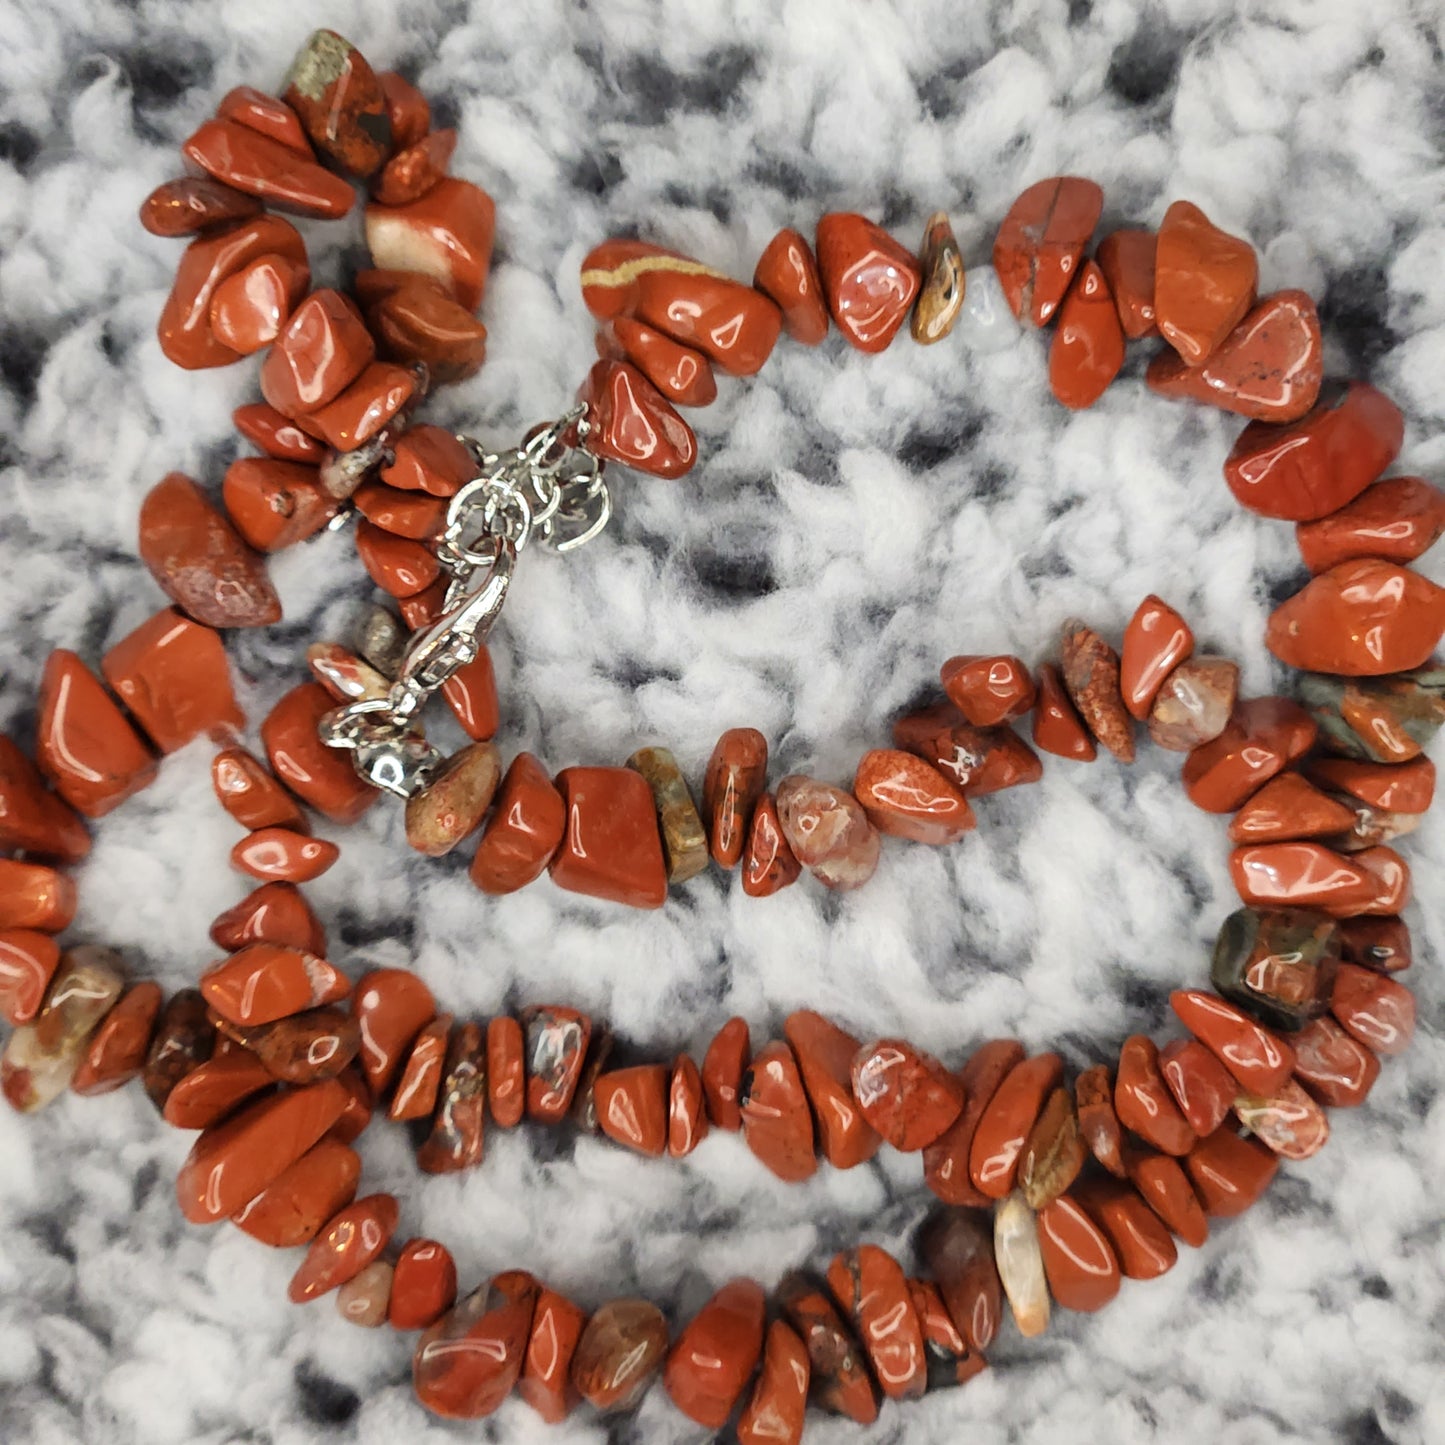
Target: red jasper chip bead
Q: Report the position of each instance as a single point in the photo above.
(1143, 1101)
(194, 203)
(428, 458)
(273, 913)
(1376, 1010)
(117, 1049)
(276, 504)
(631, 422)
(33, 895)
(1040, 241)
(712, 1359)
(611, 847)
(276, 435)
(1088, 346)
(250, 308)
(1156, 641)
(323, 348)
(723, 1067)
(1004, 1127)
(1392, 787)
(466, 1364)
(1127, 260)
(263, 983)
(682, 375)
(506, 1071)
(250, 161)
(769, 864)
(632, 1107)
(1264, 735)
(946, 1160)
(1079, 1262)
(1098, 1121)
(904, 1093)
(776, 1409)
(525, 829)
(905, 797)
(1201, 1085)
(323, 777)
(1229, 1172)
(870, 281)
(423, 1285)
(1141, 1242)
(777, 1122)
(557, 1040)
(1204, 281)
(396, 564)
(292, 1209)
(1287, 808)
(1259, 1059)
(416, 1091)
(687, 1124)
(1057, 726)
(1334, 1066)
(873, 1291)
(788, 275)
(737, 774)
(825, 1055)
(32, 818)
(1397, 519)
(264, 113)
(391, 1007)
(281, 855)
(1165, 1187)
(546, 1381)
(988, 690)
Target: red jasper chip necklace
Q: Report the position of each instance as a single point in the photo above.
(1051, 1188)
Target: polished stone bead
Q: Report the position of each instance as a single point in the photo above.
(1054, 1152)
(356, 1117)
(116, 1051)
(736, 777)
(1143, 1102)
(1057, 726)
(905, 797)
(419, 320)
(323, 348)
(1398, 519)
(1269, 368)
(904, 1093)
(840, 1381)
(1079, 1262)
(732, 324)
(1007, 1121)
(977, 760)
(184, 329)
(1362, 618)
(1382, 944)
(35, 896)
(621, 1349)
(682, 375)
(712, 1360)
(1259, 1059)
(184, 1039)
(777, 1122)
(872, 1291)
(1090, 670)
(769, 863)
(956, 1246)
(787, 274)
(265, 114)
(429, 459)
(941, 297)
(1376, 1010)
(423, 1285)
(1021, 1265)
(379, 395)
(273, 913)
(1288, 1121)
(723, 1067)
(632, 1107)
(406, 107)
(213, 1089)
(457, 1134)
(1305, 875)
(775, 1411)
(631, 422)
(92, 756)
(828, 831)
(1040, 242)
(1263, 737)
(1306, 469)
(1143, 1246)
(275, 504)
(1098, 1122)
(1230, 1173)
(302, 1048)
(1127, 260)
(194, 203)
(1200, 1084)
(948, 1359)
(41, 1058)
(1287, 808)
(281, 855)
(1194, 703)
(248, 161)
(292, 1209)
(825, 1055)
(233, 1162)
(946, 1160)
(506, 1070)
(277, 436)
(413, 170)
(341, 104)
(988, 690)
(200, 561)
(1156, 641)
(173, 677)
(364, 1298)
(452, 805)
(611, 847)
(546, 1380)
(1087, 351)
(349, 1242)
(466, 1363)
(1377, 719)
(524, 831)
(1164, 1186)
(1204, 282)
(869, 280)
(557, 1041)
(1334, 1066)
(687, 1124)
(684, 841)
(1277, 964)
(397, 565)
(421, 1074)
(322, 777)
(1369, 827)
(262, 983)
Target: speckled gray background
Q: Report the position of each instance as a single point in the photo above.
(855, 521)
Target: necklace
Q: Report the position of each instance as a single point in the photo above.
(1084, 1182)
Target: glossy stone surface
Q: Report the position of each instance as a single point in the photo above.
(349, 1242)
(824, 1055)
(1362, 618)
(687, 1124)
(946, 1160)
(734, 782)
(1194, 703)
(682, 375)
(1264, 735)
(524, 831)
(788, 275)
(1141, 1243)
(303, 1197)
(977, 760)
(777, 1122)
(379, 394)
(723, 1067)
(200, 561)
(1088, 346)
(684, 840)
(631, 422)
(35, 896)
(184, 1039)
(713, 1357)
(364, 1298)
(873, 1292)
(266, 115)
(429, 459)
(1040, 241)
(1334, 1066)
(1304, 875)
(1098, 1123)
(341, 103)
(1143, 1101)
(1204, 281)
(1090, 671)
(1307, 469)
(451, 807)
(1377, 719)
(1269, 368)
(1230, 1173)
(419, 320)
(213, 1089)
(1054, 1152)
(1057, 726)
(1007, 1121)
(1164, 1186)
(768, 862)
(1021, 1265)
(263, 982)
(277, 436)
(775, 1411)
(1259, 1059)
(1079, 1262)
(869, 280)
(232, 1163)
(956, 1246)
(632, 1107)
(466, 1363)
(1127, 260)
(621, 1349)
(1202, 1087)
(1397, 519)
(302, 1048)
(1156, 641)
(415, 169)
(1378, 1011)
(173, 677)
(840, 1381)
(940, 298)
(904, 1093)
(1288, 1121)
(611, 847)
(322, 777)
(323, 348)
(828, 831)
(421, 1073)
(273, 913)
(1278, 965)
(1289, 807)
(457, 1135)
(546, 1382)
(1407, 788)
(116, 1051)
(275, 504)
(905, 797)
(281, 855)
(557, 1041)
(988, 690)
(506, 1070)
(1382, 944)
(248, 161)
(194, 203)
